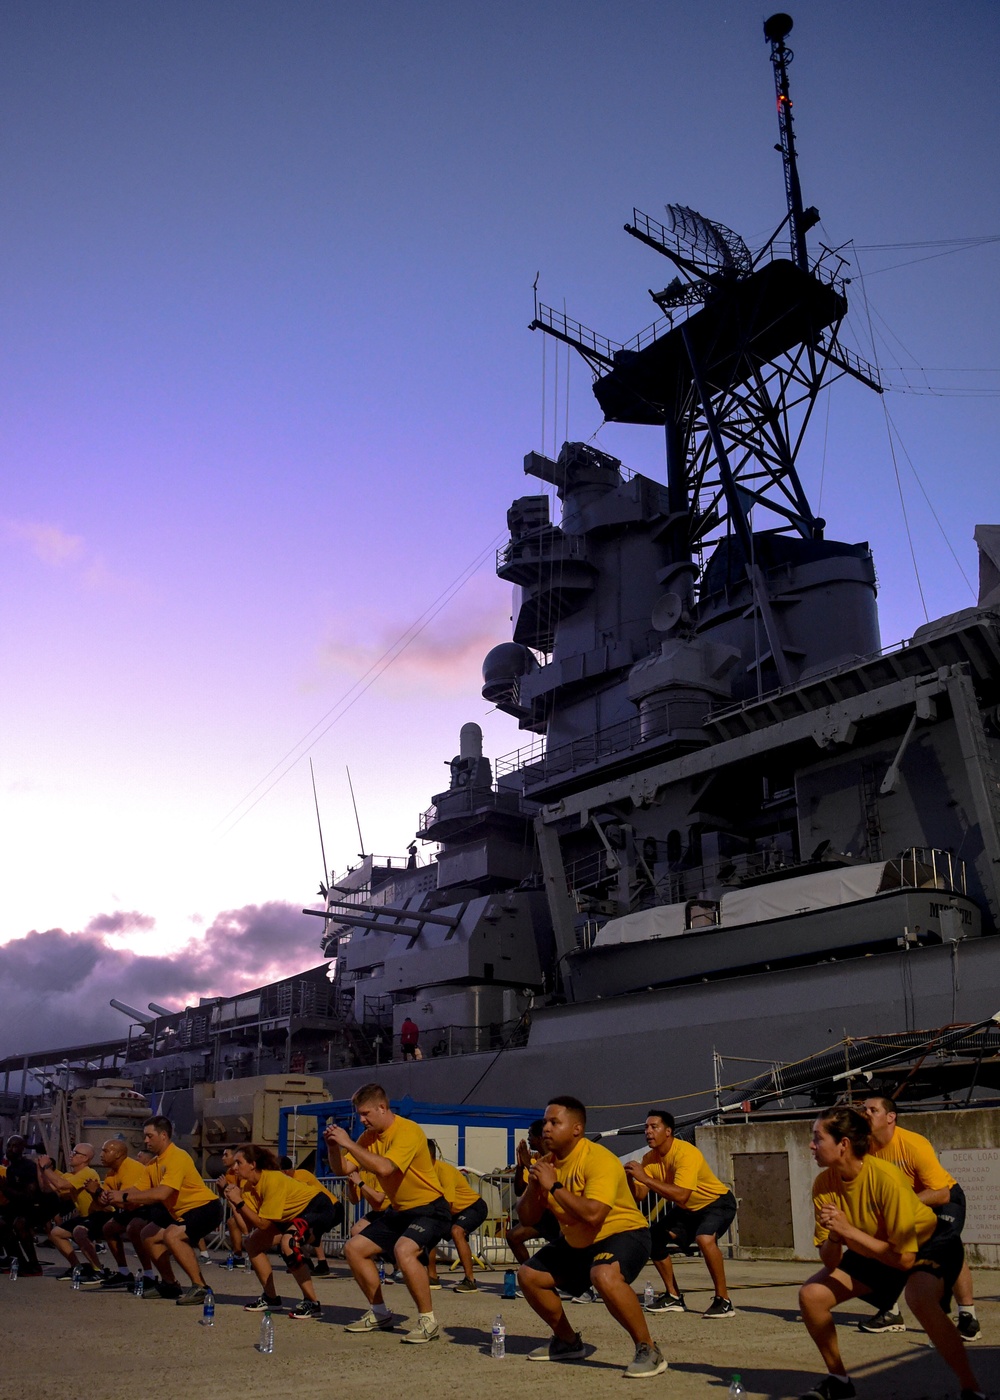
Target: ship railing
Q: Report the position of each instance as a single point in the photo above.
(464, 801)
(442, 1041)
(925, 868)
(542, 547)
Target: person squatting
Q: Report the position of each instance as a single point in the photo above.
(888, 1222)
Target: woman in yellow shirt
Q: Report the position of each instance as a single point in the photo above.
(876, 1239)
(279, 1210)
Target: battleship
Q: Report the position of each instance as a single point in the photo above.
(740, 830)
(744, 850)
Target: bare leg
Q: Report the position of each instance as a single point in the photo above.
(361, 1254)
(923, 1294)
(258, 1243)
(621, 1302)
(517, 1237)
(464, 1251)
(665, 1268)
(539, 1290)
(818, 1297)
(113, 1238)
(177, 1242)
(414, 1273)
(85, 1245)
(712, 1255)
(60, 1240)
(963, 1287)
(135, 1233)
(153, 1239)
(302, 1275)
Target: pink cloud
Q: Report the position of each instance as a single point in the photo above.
(49, 543)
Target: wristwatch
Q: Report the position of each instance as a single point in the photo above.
(124, 1198)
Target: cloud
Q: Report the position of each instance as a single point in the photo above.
(446, 657)
(49, 543)
(55, 986)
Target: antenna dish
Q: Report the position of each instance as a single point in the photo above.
(667, 612)
(777, 27)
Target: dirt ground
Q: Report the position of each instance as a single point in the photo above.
(106, 1346)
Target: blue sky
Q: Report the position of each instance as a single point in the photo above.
(265, 278)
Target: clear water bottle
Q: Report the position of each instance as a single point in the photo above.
(498, 1340)
(139, 1287)
(648, 1296)
(77, 1276)
(15, 1264)
(736, 1389)
(230, 1262)
(509, 1284)
(208, 1310)
(266, 1343)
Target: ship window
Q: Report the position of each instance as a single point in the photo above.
(701, 913)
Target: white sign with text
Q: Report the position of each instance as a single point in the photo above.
(977, 1171)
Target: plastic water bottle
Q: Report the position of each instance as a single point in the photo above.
(648, 1296)
(77, 1276)
(208, 1310)
(266, 1343)
(381, 1271)
(230, 1262)
(498, 1341)
(15, 1264)
(139, 1287)
(509, 1284)
(736, 1390)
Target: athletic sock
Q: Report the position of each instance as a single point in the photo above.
(380, 1310)
(123, 1270)
(845, 1379)
(149, 1273)
(968, 1308)
(429, 1318)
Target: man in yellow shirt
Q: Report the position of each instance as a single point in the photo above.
(913, 1154)
(468, 1211)
(122, 1174)
(876, 1239)
(603, 1244)
(179, 1210)
(395, 1151)
(77, 1188)
(700, 1208)
(236, 1226)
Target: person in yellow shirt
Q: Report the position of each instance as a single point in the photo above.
(178, 1210)
(321, 1269)
(468, 1211)
(282, 1211)
(604, 1241)
(699, 1208)
(236, 1226)
(77, 1188)
(913, 1154)
(394, 1150)
(122, 1173)
(876, 1239)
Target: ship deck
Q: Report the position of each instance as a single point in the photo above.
(113, 1345)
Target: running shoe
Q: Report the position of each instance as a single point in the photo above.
(648, 1361)
(667, 1302)
(192, 1297)
(589, 1295)
(830, 1388)
(968, 1327)
(557, 1350)
(719, 1307)
(162, 1290)
(320, 1268)
(307, 1311)
(371, 1322)
(263, 1304)
(432, 1283)
(468, 1285)
(121, 1281)
(423, 1332)
(891, 1320)
(97, 1279)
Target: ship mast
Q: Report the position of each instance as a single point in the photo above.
(799, 220)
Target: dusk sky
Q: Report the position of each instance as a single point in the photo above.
(265, 278)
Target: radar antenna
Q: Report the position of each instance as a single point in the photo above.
(799, 220)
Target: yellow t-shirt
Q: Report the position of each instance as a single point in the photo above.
(455, 1187)
(913, 1154)
(280, 1197)
(300, 1174)
(175, 1167)
(591, 1170)
(82, 1200)
(685, 1167)
(3, 1173)
(878, 1201)
(405, 1145)
(130, 1176)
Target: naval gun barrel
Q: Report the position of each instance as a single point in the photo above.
(448, 920)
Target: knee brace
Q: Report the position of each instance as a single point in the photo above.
(298, 1233)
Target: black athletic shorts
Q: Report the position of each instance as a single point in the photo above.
(942, 1256)
(152, 1212)
(680, 1228)
(571, 1267)
(472, 1216)
(201, 1221)
(426, 1224)
(93, 1223)
(321, 1216)
(953, 1210)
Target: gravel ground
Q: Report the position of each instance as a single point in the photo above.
(100, 1346)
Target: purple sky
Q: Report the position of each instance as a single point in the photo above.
(266, 273)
